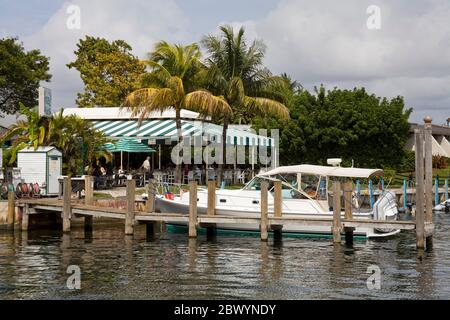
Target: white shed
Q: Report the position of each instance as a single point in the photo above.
(42, 166)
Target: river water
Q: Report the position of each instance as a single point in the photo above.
(33, 265)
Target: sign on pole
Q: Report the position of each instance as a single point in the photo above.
(45, 101)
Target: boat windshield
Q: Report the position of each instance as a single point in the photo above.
(288, 191)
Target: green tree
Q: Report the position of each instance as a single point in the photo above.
(170, 83)
(109, 72)
(235, 71)
(20, 74)
(78, 141)
(351, 124)
(75, 137)
(30, 132)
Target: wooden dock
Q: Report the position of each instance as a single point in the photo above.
(67, 208)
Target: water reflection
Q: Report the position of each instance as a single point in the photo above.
(170, 266)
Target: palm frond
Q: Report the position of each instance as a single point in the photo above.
(264, 107)
(206, 103)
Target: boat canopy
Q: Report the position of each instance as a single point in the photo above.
(325, 171)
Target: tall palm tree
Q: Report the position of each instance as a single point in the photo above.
(235, 71)
(170, 83)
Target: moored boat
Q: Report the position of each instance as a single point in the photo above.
(305, 192)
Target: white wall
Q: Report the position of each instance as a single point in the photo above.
(33, 167)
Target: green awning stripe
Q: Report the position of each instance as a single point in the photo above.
(145, 125)
(116, 129)
(174, 132)
(105, 125)
(132, 125)
(156, 125)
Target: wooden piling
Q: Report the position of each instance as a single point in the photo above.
(211, 211)
(429, 178)
(25, 218)
(11, 210)
(88, 190)
(420, 214)
(67, 207)
(348, 190)
(428, 170)
(89, 201)
(336, 229)
(129, 215)
(193, 209)
(211, 229)
(264, 211)
(277, 209)
(150, 203)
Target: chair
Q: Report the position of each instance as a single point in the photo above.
(240, 177)
(171, 177)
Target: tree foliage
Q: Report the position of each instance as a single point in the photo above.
(170, 84)
(76, 138)
(351, 124)
(109, 72)
(20, 74)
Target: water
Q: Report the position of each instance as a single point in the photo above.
(33, 265)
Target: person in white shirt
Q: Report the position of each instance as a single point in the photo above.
(146, 167)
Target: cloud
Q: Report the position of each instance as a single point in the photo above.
(328, 42)
(139, 22)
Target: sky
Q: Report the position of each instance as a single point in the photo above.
(396, 48)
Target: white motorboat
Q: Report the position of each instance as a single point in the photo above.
(304, 192)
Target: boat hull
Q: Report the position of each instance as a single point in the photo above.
(171, 206)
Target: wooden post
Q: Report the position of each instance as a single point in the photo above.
(193, 209)
(150, 205)
(211, 229)
(67, 208)
(11, 210)
(88, 191)
(277, 209)
(428, 170)
(129, 216)
(348, 190)
(88, 201)
(420, 215)
(336, 212)
(264, 211)
(25, 218)
(211, 198)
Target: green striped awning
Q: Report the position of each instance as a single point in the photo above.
(149, 128)
(128, 145)
(166, 128)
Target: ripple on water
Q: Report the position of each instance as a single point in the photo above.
(33, 266)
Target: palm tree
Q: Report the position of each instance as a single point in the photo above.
(29, 132)
(78, 141)
(236, 72)
(170, 83)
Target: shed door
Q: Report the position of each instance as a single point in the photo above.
(54, 172)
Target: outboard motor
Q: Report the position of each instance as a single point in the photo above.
(386, 208)
(447, 207)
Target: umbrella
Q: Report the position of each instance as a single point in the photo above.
(128, 145)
